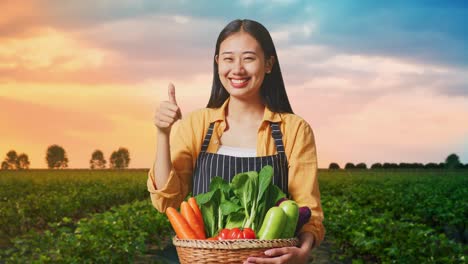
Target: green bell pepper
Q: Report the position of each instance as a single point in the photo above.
(291, 210)
(273, 224)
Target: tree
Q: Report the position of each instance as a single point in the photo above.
(334, 166)
(376, 166)
(97, 160)
(361, 166)
(120, 159)
(452, 161)
(23, 162)
(349, 165)
(431, 165)
(56, 157)
(404, 165)
(388, 165)
(11, 160)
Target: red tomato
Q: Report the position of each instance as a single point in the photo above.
(235, 233)
(224, 234)
(248, 233)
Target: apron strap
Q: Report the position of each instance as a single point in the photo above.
(277, 136)
(206, 141)
(275, 133)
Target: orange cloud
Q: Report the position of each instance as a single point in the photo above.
(48, 53)
(18, 18)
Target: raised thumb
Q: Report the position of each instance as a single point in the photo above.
(171, 93)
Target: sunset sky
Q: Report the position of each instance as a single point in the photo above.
(377, 81)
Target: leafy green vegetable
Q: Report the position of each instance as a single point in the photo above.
(242, 203)
(210, 202)
(269, 194)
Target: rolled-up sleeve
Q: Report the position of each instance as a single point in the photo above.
(180, 178)
(303, 182)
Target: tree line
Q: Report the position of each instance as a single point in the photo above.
(451, 162)
(56, 158)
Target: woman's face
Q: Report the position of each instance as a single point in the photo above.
(241, 65)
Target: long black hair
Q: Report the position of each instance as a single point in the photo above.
(272, 91)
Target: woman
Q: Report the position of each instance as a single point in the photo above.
(248, 115)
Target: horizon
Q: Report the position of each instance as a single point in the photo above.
(388, 85)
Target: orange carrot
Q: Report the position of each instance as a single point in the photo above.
(192, 219)
(196, 210)
(180, 225)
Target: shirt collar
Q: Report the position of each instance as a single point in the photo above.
(219, 114)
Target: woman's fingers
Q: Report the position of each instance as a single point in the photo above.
(166, 119)
(278, 251)
(279, 255)
(168, 105)
(168, 112)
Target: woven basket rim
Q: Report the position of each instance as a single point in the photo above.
(235, 243)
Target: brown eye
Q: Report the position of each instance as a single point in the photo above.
(227, 59)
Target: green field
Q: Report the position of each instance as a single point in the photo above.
(82, 216)
(399, 216)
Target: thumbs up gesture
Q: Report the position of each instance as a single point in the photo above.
(168, 112)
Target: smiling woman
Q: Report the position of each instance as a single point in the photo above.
(242, 65)
(248, 109)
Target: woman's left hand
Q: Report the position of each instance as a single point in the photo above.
(299, 255)
(282, 255)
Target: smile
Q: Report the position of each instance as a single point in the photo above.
(239, 83)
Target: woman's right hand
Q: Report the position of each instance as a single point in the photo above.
(168, 112)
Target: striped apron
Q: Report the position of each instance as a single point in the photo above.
(210, 165)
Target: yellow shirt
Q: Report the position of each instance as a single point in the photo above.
(186, 140)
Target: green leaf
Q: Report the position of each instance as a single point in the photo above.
(203, 198)
(242, 186)
(265, 178)
(218, 183)
(235, 219)
(228, 207)
(209, 205)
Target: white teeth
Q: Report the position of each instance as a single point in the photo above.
(238, 81)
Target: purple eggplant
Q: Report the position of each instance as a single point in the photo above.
(304, 217)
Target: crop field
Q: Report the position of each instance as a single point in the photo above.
(105, 216)
(412, 216)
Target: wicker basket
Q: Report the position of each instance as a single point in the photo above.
(226, 251)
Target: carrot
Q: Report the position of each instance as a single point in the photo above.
(180, 225)
(192, 219)
(196, 210)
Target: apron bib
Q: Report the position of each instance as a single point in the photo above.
(210, 165)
